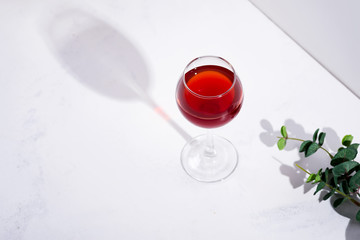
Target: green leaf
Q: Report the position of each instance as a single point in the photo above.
(283, 132)
(343, 186)
(320, 186)
(281, 143)
(317, 178)
(343, 155)
(310, 178)
(344, 167)
(328, 195)
(354, 182)
(305, 145)
(340, 148)
(326, 174)
(312, 149)
(315, 135)
(349, 153)
(332, 182)
(321, 138)
(338, 201)
(354, 146)
(358, 216)
(346, 141)
(336, 161)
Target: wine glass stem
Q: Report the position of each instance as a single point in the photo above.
(209, 148)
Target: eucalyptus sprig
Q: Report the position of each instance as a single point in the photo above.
(343, 178)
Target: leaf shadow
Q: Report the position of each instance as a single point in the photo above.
(349, 210)
(313, 163)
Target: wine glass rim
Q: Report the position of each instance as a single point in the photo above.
(206, 96)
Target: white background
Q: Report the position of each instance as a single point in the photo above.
(85, 155)
(326, 29)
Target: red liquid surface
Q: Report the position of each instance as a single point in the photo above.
(210, 98)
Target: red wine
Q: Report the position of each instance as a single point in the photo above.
(210, 97)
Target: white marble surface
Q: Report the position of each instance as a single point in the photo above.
(85, 154)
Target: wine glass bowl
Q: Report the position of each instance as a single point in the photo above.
(209, 94)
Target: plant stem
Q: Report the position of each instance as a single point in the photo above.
(336, 190)
(301, 140)
(297, 139)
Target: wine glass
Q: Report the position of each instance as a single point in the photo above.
(209, 94)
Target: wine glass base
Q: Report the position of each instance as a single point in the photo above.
(205, 167)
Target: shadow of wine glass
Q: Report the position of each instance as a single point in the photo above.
(313, 163)
(102, 59)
